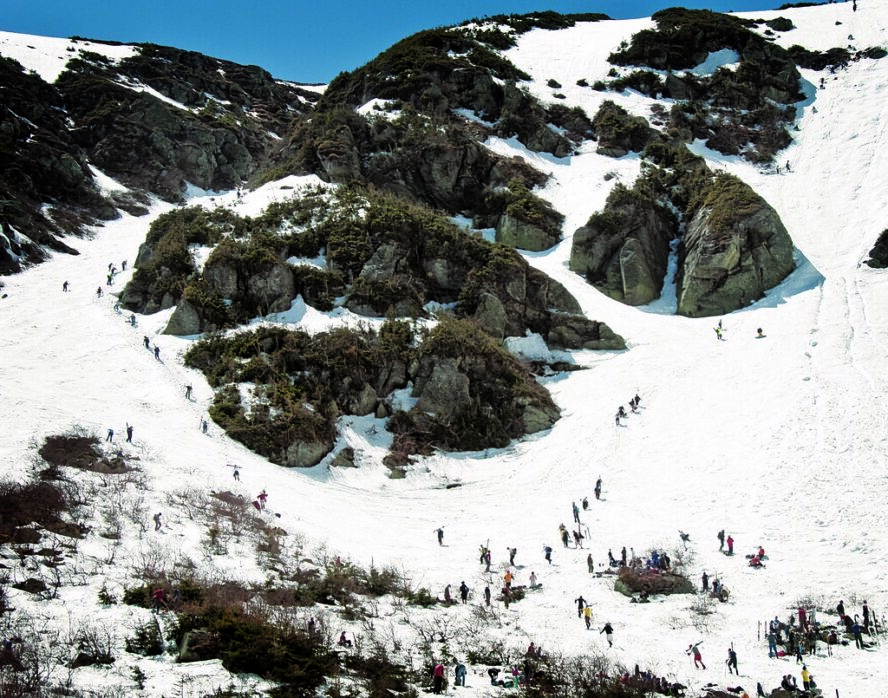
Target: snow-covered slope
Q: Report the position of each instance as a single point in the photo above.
(779, 440)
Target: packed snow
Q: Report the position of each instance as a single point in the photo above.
(47, 56)
(778, 440)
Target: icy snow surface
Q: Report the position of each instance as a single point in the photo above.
(781, 441)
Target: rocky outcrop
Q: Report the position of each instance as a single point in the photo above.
(273, 289)
(441, 387)
(185, 321)
(305, 454)
(515, 232)
(624, 250)
(735, 249)
(619, 132)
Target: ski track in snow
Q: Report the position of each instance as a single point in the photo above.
(780, 441)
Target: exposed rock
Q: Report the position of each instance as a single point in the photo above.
(364, 402)
(491, 315)
(577, 332)
(273, 289)
(445, 391)
(878, 256)
(384, 263)
(222, 279)
(185, 321)
(631, 582)
(305, 454)
(735, 249)
(31, 585)
(619, 132)
(525, 236)
(624, 250)
(536, 419)
(344, 459)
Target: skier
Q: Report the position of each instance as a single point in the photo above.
(438, 678)
(157, 352)
(856, 630)
(608, 633)
(65, 287)
(533, 580)
(705, 581)
(187, 392)
(463, 592)
(589, 563)
(732, 662)
(110, 436)
(759, 333)
(730, 541)
(866, 615)
(460, 673)
(447, 597)
(547, 551)
(123, 265)
(721, 539)
(507, 579)
(99, 292)
(840, 607)
(204, 425)
(237, 474)
(581, 604)
(263, 496)
(695, 651)
(598, 488)
(132, 320)
(585, 503)
(158, 599)
(129, 433)
(512, 553)
(487, 595)
(562, 529)
(623, 556)
(587, 617)
(146, 341)
(806, 677)
(576, 512)
(158, 522)
(772, 645)
(578, 539)
(617, 419)
(718, 333)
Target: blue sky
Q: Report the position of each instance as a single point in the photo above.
(294, 39)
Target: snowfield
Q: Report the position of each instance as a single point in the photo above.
(781, 441)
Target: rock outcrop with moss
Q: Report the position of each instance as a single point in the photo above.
(384, 255)
(471, 393)
(624, 250)
(743, 111)
(735, 248)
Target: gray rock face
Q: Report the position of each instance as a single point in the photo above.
(624, 251)
(344, 459)
(724, 270)
(364, 403)
(577, 332)
(185, 321)
(274, 289)
(445, 391)
(222, 280)
(305, 454)
(525, 236)
(384, 263)
(536, 419)
(491, 315)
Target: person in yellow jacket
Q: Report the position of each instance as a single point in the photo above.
(806, 677)
(507, 579)
(587, 616)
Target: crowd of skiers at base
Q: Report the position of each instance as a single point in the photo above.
(649, 682)
(802, 638)
(621, 411)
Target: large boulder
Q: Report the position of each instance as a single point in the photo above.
(442, 388)
(624, 250)
(515, 232)
(273, 289)
(306, 454)
(735, 249)
(185, 321)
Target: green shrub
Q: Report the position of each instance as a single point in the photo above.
(147, 640)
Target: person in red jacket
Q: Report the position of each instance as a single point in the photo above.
(438, 678)
(730, 542)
